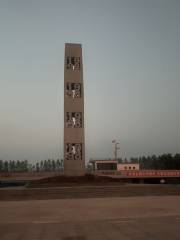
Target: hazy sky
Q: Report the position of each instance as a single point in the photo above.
(131, 56)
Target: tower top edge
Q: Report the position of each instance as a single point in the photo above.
(72, 44)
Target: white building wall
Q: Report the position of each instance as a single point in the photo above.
(127, 166)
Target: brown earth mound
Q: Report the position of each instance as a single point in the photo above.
(62, 180)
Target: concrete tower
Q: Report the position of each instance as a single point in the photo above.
(74, 146)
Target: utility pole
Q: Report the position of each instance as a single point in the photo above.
(116, 148)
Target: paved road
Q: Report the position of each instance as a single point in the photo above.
(89, 219)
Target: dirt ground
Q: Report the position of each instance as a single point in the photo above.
(124, 218)
(88, 191)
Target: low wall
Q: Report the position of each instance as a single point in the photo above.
(141, 173)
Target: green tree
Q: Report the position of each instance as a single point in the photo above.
(1, 165)
(6, 166)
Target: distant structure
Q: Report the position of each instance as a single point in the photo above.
(112, 165)
(127, 166)
(103, 165)
(74, 144)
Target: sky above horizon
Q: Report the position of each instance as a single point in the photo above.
(131, 60)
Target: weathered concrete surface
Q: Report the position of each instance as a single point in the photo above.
(95, 218)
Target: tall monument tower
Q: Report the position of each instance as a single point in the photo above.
(74, 145)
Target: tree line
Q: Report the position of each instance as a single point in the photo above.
(49, 165)
(162, 162)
